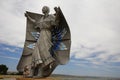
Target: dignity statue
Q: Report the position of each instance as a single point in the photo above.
(47, 43)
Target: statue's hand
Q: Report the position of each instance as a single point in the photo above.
(56, 9)
(26, 15)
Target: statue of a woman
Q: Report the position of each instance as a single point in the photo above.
(41, 53)
(47, 42)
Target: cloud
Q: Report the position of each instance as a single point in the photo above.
(8, 49)
(12, 25)
(13, 22)
(13, 50)
(8, 57)
(98, 24)
(96, 67)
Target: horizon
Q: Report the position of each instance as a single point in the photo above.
(72, 75)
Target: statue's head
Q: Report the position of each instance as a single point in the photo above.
(45, 10)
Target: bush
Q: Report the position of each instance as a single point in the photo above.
(3, 69)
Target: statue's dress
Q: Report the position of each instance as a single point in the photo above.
(41, 53)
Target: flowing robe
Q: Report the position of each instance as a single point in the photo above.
(41, 53)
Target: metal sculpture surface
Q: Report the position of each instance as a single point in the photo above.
(47, 43)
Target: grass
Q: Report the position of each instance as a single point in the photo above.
(10, 76)
(20, 77)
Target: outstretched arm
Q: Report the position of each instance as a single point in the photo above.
(31, 19)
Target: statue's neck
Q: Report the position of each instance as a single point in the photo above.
(46, 15)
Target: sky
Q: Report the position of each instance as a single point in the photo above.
(94, 25)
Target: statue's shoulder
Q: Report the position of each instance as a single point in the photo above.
(52, 16)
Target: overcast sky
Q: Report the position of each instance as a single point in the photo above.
(94, 26)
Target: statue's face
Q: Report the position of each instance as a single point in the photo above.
(45, 10)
